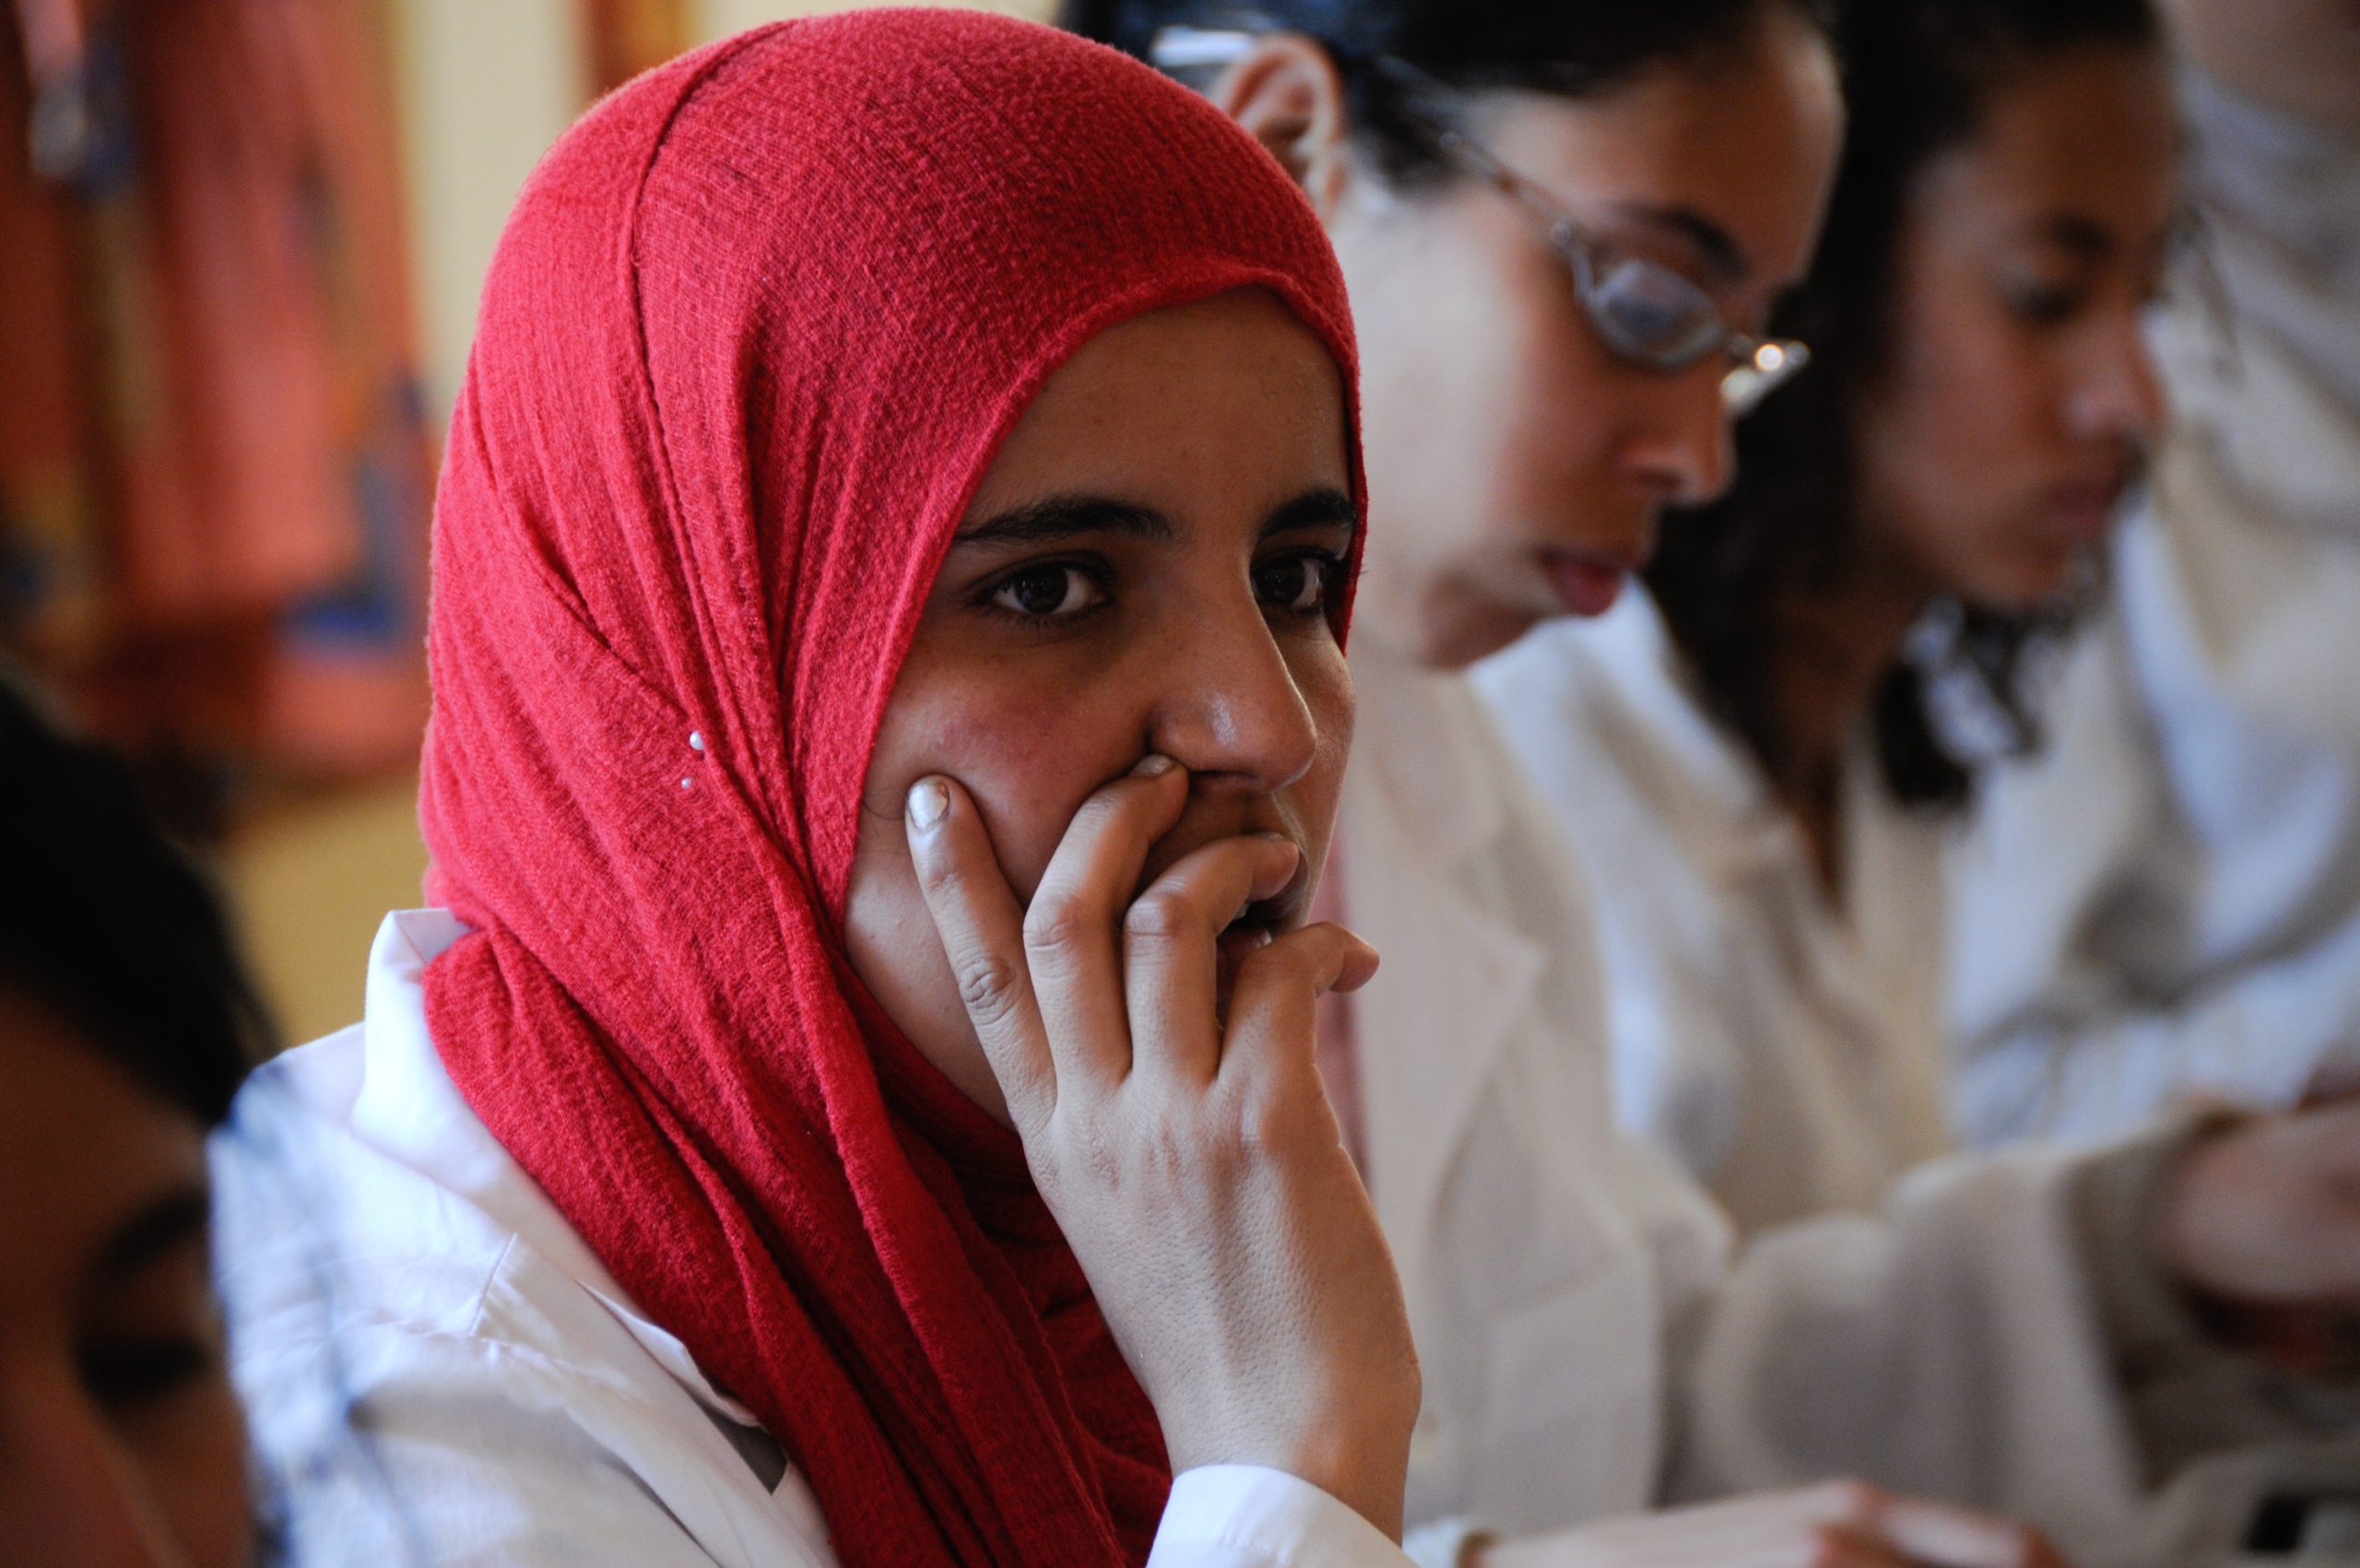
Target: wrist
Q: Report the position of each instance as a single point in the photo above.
(1450, 1543)
(1365, 1471)
(2179, 1210)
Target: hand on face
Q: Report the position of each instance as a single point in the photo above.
(2266, 1217)
(1154, 562)
(1838, 1524)
(1163, 1081)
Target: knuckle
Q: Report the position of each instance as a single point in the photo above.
(1266, 1118)
(1053, 925)
(1160, 915)
(988, 987)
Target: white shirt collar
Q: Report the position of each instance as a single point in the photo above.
(407, 1107)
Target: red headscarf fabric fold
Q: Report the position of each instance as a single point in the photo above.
(755, 332)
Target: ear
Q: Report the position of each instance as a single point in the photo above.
(1288, 93)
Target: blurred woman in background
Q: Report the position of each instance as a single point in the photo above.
(1762, 754)
(1563, 230)
(126, 1025)
(2165, 901)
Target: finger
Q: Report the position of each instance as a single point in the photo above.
(1937, 1534)
(983, 937)
(1837, 1546)
(1071, 943)
(1171, 954)
(1273, 1008)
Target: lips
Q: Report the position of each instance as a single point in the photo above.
(1586, 582)
(2083, 512)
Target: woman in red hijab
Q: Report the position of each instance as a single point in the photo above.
(858, 406)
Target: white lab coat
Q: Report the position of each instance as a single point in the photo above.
(2168, 902)
(439, 1373)
(1589, 1345)
(1787, 1049)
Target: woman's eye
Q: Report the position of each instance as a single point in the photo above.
(135, 1371)
(2043, 304)
(1048, 591)
(1295, 584)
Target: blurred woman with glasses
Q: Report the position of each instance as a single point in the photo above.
(1760, 753)
(1565, 231)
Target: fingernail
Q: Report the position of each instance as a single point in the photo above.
(1154, 765)
(929, 803)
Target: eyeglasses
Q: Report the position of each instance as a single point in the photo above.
(1644, 312)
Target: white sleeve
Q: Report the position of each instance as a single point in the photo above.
(2260, 1038)
(1949, 1345)
(1245, 1516)
(2079, 878)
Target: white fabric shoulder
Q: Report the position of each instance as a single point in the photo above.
(1783, 1046)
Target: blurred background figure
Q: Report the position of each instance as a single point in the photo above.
(240, 242)
(1565, 230)
(2167, 903)
(1758, 756)
(126, 1027)
(213, 460)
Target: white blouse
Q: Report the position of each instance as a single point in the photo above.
(1593, 1345)
(1785, 1047)
(439, 1371)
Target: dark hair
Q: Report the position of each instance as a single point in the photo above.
(1918, 75)
(1575, 50)
(109, 929)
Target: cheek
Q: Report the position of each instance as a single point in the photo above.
(1475, 393)
(194, 1456)
(1959, 426)
(1029, 753)
(1326, 683)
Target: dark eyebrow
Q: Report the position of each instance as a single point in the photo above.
(1724, 257)
(1323, 508)
(1065, 517)
(174, 1219)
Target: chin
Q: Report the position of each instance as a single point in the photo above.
(1497, 628)
(1454, 633)
(2039, 581)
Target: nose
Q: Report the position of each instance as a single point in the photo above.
(2119, 397)
(1227, 706)
(1679, 443)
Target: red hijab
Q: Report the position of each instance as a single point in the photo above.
(753, 337)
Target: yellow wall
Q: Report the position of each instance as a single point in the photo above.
(311, 884)
(487, 85)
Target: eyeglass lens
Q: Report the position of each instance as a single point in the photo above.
(1653, 314)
